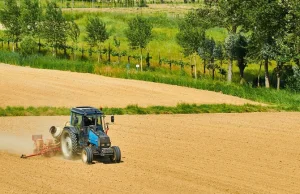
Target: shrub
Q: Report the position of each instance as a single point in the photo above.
(293, 82)
(28, 46)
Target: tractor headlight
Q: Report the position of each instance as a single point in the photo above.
(103, 144)
(108, 144)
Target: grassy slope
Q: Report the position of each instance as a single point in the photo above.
(163, 43)
(282, 98)
(164, 33)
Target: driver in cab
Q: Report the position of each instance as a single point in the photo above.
(87, 121)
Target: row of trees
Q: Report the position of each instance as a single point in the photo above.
(122, 3)
(257, 31)
(28, 23)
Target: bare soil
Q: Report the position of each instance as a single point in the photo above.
(206, 153)
(24, 86)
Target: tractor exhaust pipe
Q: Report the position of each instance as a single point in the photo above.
(55, 132)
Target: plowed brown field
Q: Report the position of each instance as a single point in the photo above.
(206, 153)
(23, 86)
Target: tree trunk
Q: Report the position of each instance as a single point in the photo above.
(229, 74)
(82, 52)
(192, 71)
(297, 61)
(170, 66)
(99, 56)
(56, 49)
(234, 29)
(266, 66)
(74, 50)
(141, 59)
(195, 62)
(65, 51)
(53, 51)
(242, 67)
(90, 53)
(242, 72)
(204, 67)
(278, 81)
(39, 45)
(119, 55)
(109, 52)
(213, 70)
(258, 77)
(148, 60)
(159, 60)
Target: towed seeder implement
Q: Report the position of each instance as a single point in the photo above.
(47, 148)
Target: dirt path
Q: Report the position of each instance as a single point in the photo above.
(24, 86)
(206, 153)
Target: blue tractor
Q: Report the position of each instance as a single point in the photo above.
(86, 133)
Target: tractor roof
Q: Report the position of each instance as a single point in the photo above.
(86, 110)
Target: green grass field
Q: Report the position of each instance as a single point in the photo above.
(164, 17)
(163, 43)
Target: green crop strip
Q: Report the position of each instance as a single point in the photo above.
(136, 110)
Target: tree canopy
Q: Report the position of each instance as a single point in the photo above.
(260, 31)
(139, 32)
(55, 27)
(10, 18)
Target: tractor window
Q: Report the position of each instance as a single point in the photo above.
(76, 120)
(88, 120)
(92, 120)
(99, 120)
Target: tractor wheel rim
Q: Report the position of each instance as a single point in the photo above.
(84, 156)
(67, 146)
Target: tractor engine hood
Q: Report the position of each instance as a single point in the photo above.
(104, 140)
(103, 137)
(98, 138)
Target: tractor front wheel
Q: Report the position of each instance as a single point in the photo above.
(87, 155)
(117, 154)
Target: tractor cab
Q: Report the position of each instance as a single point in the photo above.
(86, 117)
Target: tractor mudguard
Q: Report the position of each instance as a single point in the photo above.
(72, 129)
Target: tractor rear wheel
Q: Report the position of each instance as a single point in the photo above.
(87, 155)
(69, 144)
(117, 154)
